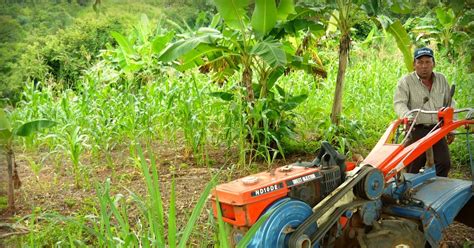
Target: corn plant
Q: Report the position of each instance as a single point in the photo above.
(149, 231)
(73, 143)
(35, 167)
(114, 229)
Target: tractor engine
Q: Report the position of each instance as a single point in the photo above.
(244, 200)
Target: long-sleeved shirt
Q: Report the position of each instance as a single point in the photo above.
(411, 93)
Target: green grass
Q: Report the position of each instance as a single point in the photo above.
(3, 203)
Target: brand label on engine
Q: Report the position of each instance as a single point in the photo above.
(303, 179)
(267, 189)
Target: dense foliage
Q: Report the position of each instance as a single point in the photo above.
(112, 80)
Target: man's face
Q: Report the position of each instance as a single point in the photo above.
(424, 66)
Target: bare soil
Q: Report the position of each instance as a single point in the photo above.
(53, 189)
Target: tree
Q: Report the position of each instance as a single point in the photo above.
(344, 17)
(349, 12)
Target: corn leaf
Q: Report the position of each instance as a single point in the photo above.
(196, 212)
(172, 216)
(223, 234)
(104, 215)
(156, 218)
(121, 219)
(156, 198)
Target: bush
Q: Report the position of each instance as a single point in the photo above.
(65, 55)
(10, 30)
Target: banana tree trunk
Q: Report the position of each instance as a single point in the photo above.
(11, 197)
(247, 75)
(343, 58)
(247, 82)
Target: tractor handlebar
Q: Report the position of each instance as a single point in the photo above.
(470, 110)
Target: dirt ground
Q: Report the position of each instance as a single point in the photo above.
(54, 190)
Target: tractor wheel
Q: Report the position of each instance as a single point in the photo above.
(287, 215)
(393, 233)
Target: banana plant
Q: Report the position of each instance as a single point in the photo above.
(260, 47)
(348, 12)
(7, 136)
(449, 29)
(344, 17)
(134, 55)
(248, 44)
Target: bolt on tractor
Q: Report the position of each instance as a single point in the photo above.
(330, 202)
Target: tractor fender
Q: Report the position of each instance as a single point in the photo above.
(435, 201)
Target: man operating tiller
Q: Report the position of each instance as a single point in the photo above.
(426, 90)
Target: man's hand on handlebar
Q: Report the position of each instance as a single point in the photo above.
(409, 121)
(450, 138)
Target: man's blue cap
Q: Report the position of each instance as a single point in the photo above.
(424, 51)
